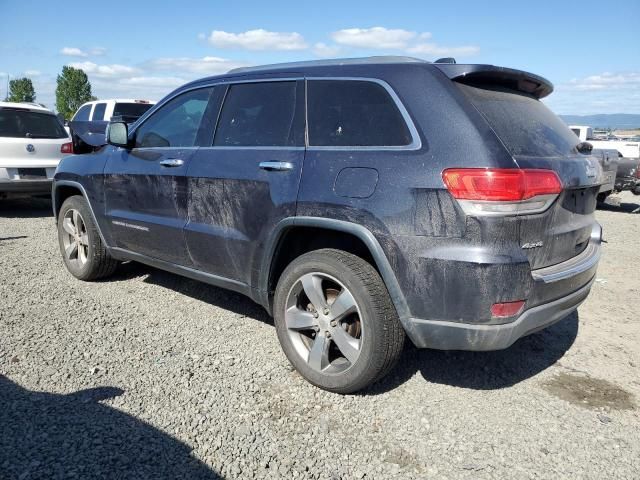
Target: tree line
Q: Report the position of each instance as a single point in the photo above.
(72, 90)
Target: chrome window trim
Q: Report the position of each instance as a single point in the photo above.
(416, 142)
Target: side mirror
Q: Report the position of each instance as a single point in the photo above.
(118, 134)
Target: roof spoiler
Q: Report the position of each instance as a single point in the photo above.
(484, 75)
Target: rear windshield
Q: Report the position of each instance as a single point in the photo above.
(131, 109)
(524, 124)
(18, 123)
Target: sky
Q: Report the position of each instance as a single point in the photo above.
(590, 50)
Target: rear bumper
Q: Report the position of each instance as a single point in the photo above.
(465, 336)
(26, 186)
(575, 276)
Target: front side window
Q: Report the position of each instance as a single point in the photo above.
(98, 112)
(177, 123)
(353, 113)
(261, 114)
(83, 114)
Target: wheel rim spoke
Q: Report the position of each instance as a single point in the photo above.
(297, 319)
(319, 353)
(67, 224)
(348, 345)
(71, 251)
(312, 285)
(84, 239)
(343, 305)
(76, 220)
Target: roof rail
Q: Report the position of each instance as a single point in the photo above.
(330, 62)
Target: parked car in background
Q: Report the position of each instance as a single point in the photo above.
(626, 148)
(437, 200)
(609, 162)
(88, 125)
(628, 175)
(32, 142)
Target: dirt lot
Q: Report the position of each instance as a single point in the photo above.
(149, 375)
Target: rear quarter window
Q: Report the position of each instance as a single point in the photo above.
(353, 113)
(98, 112)
(523, 123)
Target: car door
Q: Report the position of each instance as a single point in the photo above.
(146, 187)
(247, 180)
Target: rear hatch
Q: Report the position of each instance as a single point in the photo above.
(30, 138)
(509, 100)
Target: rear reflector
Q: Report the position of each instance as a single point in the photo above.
(66, 148)
(502, 191)
(507, 309)
(500, 184)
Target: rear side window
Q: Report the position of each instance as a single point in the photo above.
(177, 123)
(130, 109)
(523, 123)
(83, 114)
(98, 111)
(19, 123)
(353, 113)
(262, 114)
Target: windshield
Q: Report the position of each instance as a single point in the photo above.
(19, 123)
(130, 109)
(523, 123)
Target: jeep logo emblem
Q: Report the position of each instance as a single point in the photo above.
(30, 148)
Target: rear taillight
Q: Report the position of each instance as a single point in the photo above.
(66, 148)
(502, 191)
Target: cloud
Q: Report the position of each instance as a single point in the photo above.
(376, 37)
(32, 73)
(259, 39)
(73, 52)
(607, 92)
(202, 66)
(441, 51)
(105, 71)
(326, 51)
(78, 52)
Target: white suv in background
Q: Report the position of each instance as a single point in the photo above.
(32, 143)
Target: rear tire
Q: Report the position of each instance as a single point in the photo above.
(336, 322)
(83, 252)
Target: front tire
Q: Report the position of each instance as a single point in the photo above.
(336, 322)
(83, 252)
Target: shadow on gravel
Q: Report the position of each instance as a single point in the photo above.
(46, 435)
(623, 207)
(26, 208)
(485, 370)
(203, 292)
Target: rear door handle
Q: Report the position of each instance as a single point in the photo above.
(272, 166)
(172, 162)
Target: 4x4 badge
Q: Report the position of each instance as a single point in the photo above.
(529, 245)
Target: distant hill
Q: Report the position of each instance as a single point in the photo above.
(612, 120)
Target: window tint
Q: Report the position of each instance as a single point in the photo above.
(352, 113)
(98, 111)
(130, 109)
(83, 113)
(26, 124)
(524, 124)
(177, 123)
(261, 114)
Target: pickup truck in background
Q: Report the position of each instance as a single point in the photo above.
(87, 127)
(627, 170)
(626, 148)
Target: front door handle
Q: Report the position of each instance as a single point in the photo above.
(273, 166)
(172, 162)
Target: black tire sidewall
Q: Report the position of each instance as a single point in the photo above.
(78, 203)
(369, 364)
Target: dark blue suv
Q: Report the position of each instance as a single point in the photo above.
(357, 200)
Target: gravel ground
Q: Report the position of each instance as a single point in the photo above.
(149, 375)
